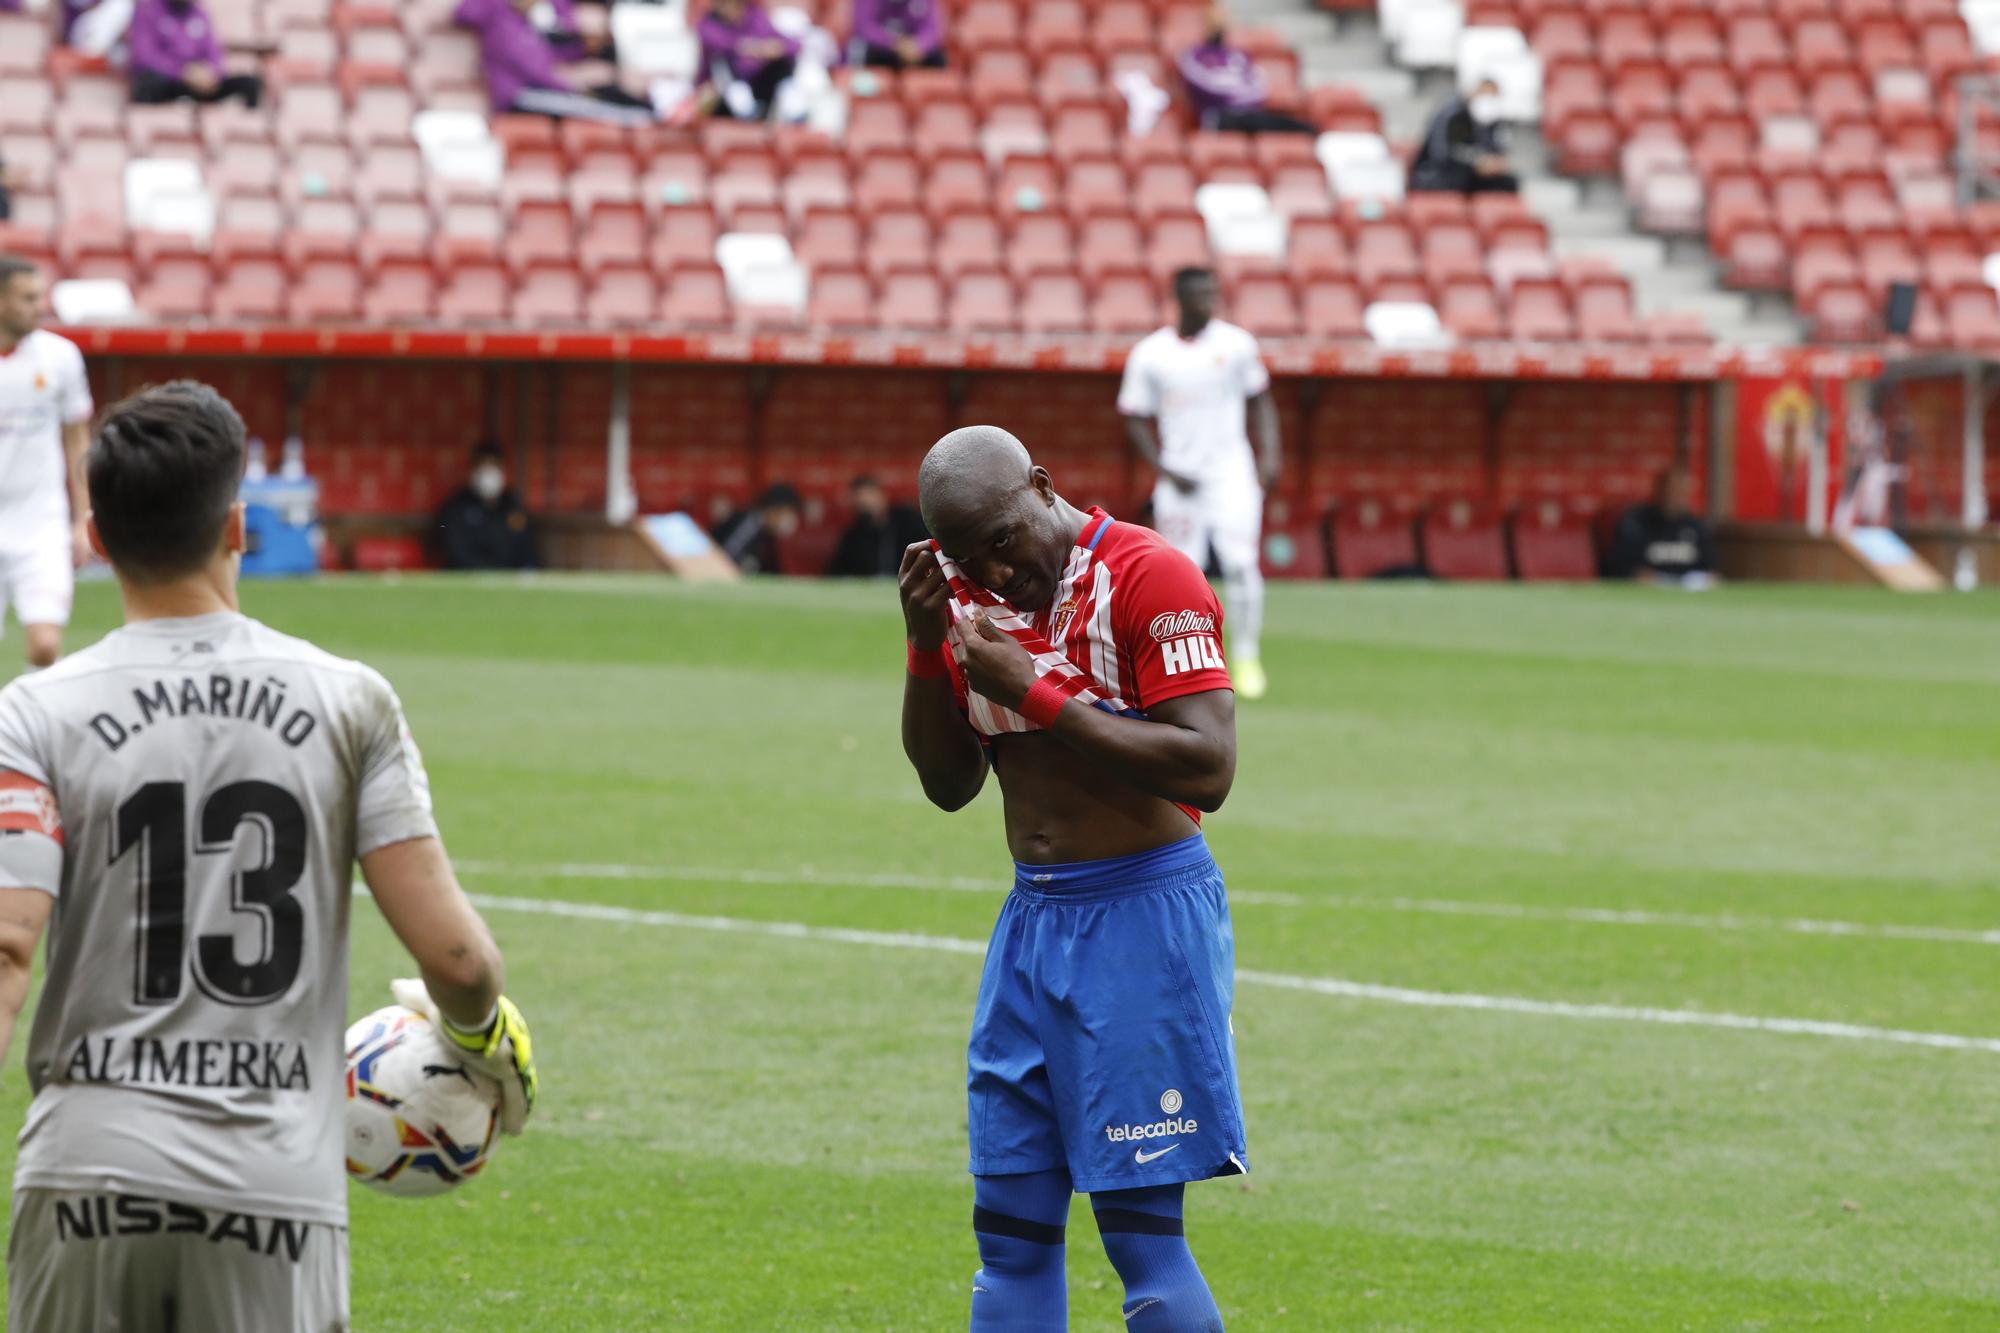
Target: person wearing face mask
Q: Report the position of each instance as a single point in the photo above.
(484, 525)
(1228, 89)
(1465, 150)
(176, 56)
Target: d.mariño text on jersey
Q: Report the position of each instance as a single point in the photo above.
(228, 698)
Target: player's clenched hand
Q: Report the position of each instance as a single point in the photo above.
(1184, 482)
(925, 593)
(995, 665)
(502, 1050)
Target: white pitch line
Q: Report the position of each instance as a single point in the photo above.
(1333, 986)
(1594, 916)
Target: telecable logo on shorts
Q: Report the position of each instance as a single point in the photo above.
(1172, 1127)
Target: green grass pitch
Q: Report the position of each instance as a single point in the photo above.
(1588, 796)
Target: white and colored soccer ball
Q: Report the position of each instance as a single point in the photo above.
(418, 1121)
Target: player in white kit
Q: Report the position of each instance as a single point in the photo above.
(1202, 381)
(182, 806)
(44, 429)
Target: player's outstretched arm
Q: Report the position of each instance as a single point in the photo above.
(420, 897)
(940, 743)
(24, 913)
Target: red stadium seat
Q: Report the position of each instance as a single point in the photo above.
(981, 302)
(1333, 310)
(475, 293)
(614, 235)
(1264, 306)
(1463, 540)
(622, 295)
(1372, 537)
(549, 295)
(400, 230)
(1293, 548)
(912, 302)
(323, 227)
(176, 289)
(898, 242)
(24, 43)
(1053, 302)
(1109, 244)
(247, 226)
(695, 297)
(968, 241)
(1125, 303)
(957, 181)
(326, 289)
(888, 180)
(540, 233)
(402, 292)
(1468, 310)
(828, 238)
(842, 299)
(946, 127)
(683, 234)
(1176, 241)
(251, 288)
(1041, 242)
(1550, 543)
(1096, 186)
(468, 231)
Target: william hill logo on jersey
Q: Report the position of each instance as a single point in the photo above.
(1187, 641)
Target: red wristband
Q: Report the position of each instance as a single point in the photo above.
(926, 665)
(1044, 700)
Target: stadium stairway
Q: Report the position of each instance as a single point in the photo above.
(1585, 218)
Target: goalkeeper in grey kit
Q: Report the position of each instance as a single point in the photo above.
(181, 809)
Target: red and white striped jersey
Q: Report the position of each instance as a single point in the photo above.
(1132, 624)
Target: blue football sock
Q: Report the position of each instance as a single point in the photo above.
(1164, 1289)
(1021, 1286)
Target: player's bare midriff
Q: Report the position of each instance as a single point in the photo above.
(1061, 807)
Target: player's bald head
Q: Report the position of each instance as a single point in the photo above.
(996, 513)
(970, 472)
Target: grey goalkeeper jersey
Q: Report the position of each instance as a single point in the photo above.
(214, 781)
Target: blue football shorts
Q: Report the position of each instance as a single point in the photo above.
(1102, 1041)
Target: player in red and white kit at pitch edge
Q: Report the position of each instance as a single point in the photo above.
(44, 430)
(1199, 384)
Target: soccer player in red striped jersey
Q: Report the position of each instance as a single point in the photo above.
(1080, 659)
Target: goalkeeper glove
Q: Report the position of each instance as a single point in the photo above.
(502, 1050)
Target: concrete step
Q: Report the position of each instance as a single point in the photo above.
(1630, 255)
(1299, 27)
(1379, 85)
(1551, 196)
(1764, 333)
(1587, 223)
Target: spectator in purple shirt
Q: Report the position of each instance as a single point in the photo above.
(523, 68)
(896, 34)
(1227, 88)
(744, 59)
(176, 56)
